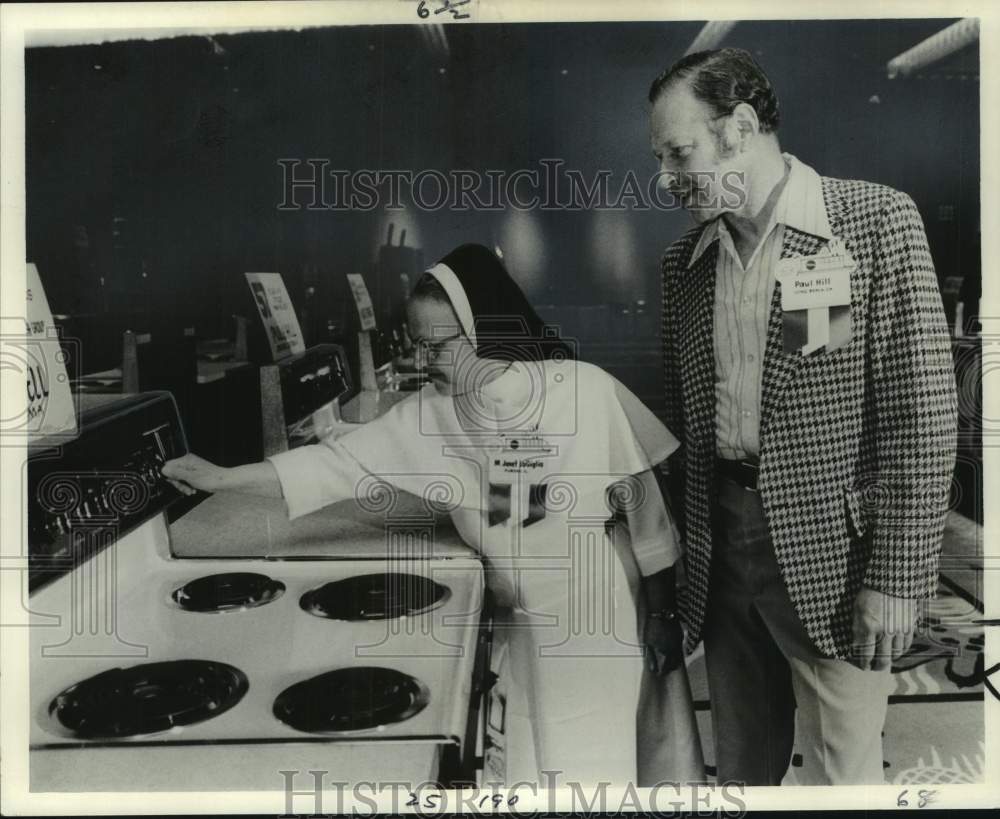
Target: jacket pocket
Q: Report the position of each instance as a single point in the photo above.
(857, 523)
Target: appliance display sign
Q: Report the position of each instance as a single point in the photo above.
(50, 404)
(281, 325)
(363, 301)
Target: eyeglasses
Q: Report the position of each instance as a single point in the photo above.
(433, 349)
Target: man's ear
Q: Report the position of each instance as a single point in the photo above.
(746, 123)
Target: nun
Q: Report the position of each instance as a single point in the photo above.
(550, 470)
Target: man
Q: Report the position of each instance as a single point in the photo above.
(809, 378)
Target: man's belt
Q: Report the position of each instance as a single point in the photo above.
(744, 471)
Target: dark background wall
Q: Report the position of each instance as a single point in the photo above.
(153, 183)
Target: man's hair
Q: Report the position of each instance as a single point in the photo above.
(722, 79)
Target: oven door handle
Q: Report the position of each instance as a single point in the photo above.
(461, 772)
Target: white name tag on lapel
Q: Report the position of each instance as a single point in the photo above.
(816, 299)
(807, 282)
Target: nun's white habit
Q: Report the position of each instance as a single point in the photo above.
(556, 447)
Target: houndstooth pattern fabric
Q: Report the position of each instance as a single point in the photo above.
(857, 445)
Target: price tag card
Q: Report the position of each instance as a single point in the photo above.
(281, 325)
(362, 300)
(50, 410)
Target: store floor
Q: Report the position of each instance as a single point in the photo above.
(934, 731)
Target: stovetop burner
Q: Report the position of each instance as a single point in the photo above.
(350, 699)
(144, 699)
(231, 591)
(374, 597)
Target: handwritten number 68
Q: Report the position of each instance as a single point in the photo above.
(924, 798)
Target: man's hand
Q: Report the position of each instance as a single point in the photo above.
(883, 629)
(664, 642)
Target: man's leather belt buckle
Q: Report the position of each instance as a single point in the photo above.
(744, 472)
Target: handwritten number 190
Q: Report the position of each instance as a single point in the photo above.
(434, 800)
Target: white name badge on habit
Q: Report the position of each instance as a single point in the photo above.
(516, 471)
(527, 456)
(808, 282)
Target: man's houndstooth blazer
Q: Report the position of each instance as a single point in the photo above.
(857, 445)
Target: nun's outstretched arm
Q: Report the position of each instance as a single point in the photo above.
(314, 476)
(308, 478)
(189, 473)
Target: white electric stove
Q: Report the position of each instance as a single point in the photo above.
(179, 659)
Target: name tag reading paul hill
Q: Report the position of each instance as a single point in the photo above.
(814, 281)
(816, 300)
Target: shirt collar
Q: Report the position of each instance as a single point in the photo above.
(800, 206)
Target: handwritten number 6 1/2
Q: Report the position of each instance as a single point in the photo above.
(451, 6)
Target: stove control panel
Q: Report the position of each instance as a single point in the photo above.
(107, 481)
